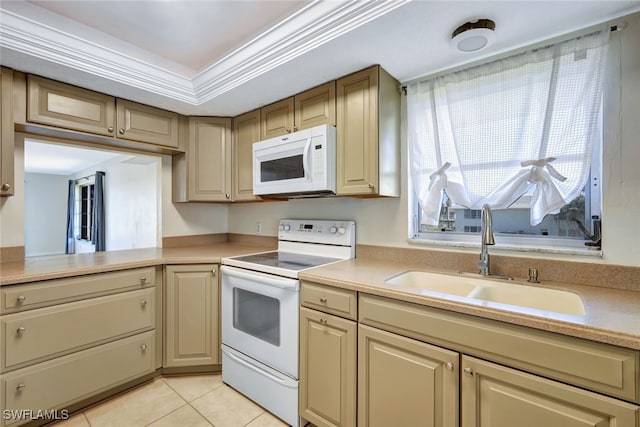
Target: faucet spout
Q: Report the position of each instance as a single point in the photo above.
(487, 240)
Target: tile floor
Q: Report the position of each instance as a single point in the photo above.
(184, 401)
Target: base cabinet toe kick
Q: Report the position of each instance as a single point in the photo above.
(454, 370)
(66, 340)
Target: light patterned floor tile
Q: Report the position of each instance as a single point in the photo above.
(225, 407)
(136, 408)
(78, 420)
(192, 387)
(183, 417)
(267, 420)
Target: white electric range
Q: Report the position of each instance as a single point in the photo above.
(260, 310)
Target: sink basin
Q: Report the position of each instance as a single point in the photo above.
(538, 298)
(531, 297)
(434, 282)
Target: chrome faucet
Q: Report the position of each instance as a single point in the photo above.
(487, 240)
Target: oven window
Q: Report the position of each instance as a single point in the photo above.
(257, 315)
(282, 169)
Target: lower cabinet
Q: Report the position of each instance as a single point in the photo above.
(497, 396)
(420, 366)
(191, 316)
(61, 382)
(405, 382)
(327, 369)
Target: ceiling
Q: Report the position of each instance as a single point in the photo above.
(228, 57)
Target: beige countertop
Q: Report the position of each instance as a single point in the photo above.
(612, 315)
(57, 266)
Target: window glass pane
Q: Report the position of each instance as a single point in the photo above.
(257, 315)
(279, 169)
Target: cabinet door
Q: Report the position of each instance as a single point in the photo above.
(277, 119)
(327, 369)
(357, 136)
(209, 159)
(61, 105)
(139, 122)
(316, 107)
(246, 131)
(192, 331)
(6, 132)
(405, 382)
(496, 396)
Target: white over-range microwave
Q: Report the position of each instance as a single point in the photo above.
(299, 164)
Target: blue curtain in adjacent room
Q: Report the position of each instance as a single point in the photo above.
(70, 246)
(99, 213)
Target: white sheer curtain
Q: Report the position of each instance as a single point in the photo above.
(489, 133)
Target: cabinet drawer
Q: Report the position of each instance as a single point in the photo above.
(597, 366)
(57, 383)
(49, 292)
(336, 301)
(37, 335)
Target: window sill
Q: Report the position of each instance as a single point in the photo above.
(546, 246)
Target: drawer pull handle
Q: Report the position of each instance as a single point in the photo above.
(449, 366)
(20, 387)
(21, 330)
(143, 347)
(323, 300)
(468, 371)
(143, 303)
(21, 299)
(143, 279)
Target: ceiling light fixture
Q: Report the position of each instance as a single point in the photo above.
(473, 35)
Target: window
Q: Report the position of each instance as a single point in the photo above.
(84, 210)
(522, 134)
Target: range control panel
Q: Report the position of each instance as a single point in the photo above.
(318, 231)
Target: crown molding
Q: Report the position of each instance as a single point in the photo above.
(311, 27)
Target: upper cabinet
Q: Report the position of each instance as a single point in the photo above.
(368, 134)
(68, 107)
(146, 124)
(6, 132)
(203, 174)
(311, 108)
(246, 131)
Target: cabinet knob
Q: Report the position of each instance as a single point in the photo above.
(143, 347)
(371, 186)
(121, 131)
(449, 366)
(468, 371)
(143, 279)
(295, 128)
(20, 387)
(288, 130)
(323, 300)
(21, 299)
(110, 129)
(21, 330)
(227, 195)
(323, 320)
(143, 303)
(6, 187)
(213, 271)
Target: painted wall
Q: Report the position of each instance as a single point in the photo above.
(131, 202)
(385, 221)
(45, 214)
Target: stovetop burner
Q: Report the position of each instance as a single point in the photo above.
(286, 260)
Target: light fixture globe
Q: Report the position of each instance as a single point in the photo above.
(473, 35)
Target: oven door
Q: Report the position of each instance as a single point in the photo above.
(260, 317)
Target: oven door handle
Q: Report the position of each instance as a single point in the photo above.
(267, 279)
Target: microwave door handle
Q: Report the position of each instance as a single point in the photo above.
(306, 157)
